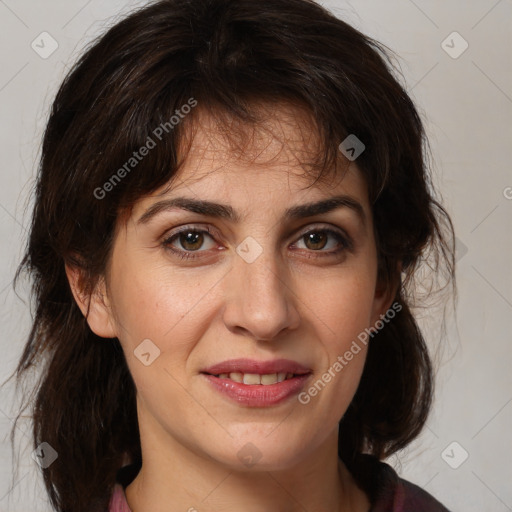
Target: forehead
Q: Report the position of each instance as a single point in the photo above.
(283, 134)
(274, 161)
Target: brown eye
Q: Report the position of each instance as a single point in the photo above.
(319, 239)
(316, 240)
(188, 241)
(191, 240)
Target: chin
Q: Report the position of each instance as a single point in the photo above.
(261, 453)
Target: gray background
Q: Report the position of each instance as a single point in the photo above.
(466, 102)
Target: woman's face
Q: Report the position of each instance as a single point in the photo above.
(253, 273)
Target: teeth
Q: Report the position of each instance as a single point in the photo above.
(269, 379)
(237, 377)
(254, 378)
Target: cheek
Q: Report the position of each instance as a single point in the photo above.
(173, 310)
(341, 309)
(156, 302)
(342, 302)
(170, 309)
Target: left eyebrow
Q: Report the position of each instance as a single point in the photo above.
(303, 211)
(224, 211)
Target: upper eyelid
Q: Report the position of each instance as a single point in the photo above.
(184, 229)
(323, 227)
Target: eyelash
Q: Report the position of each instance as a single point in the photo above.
(344, 241)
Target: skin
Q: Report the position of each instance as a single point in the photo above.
(291, 302)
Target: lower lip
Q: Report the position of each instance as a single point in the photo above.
(258, 395)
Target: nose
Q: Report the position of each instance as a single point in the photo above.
(260, 302)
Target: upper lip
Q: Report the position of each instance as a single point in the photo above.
(258, 367)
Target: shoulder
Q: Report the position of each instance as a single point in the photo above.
(118, 501)
(415, 498)
(390, 493)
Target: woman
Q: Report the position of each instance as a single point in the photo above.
(231, 206)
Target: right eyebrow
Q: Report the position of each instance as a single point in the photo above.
(193, 205)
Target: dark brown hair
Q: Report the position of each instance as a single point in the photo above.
(228, 56)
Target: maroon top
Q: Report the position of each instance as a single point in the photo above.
(386, 490)
(390, 493)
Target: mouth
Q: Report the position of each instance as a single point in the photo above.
(253, 371)
(255, 383)
(255, 390)
(265, 379)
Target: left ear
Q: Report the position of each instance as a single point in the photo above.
(385, 292)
